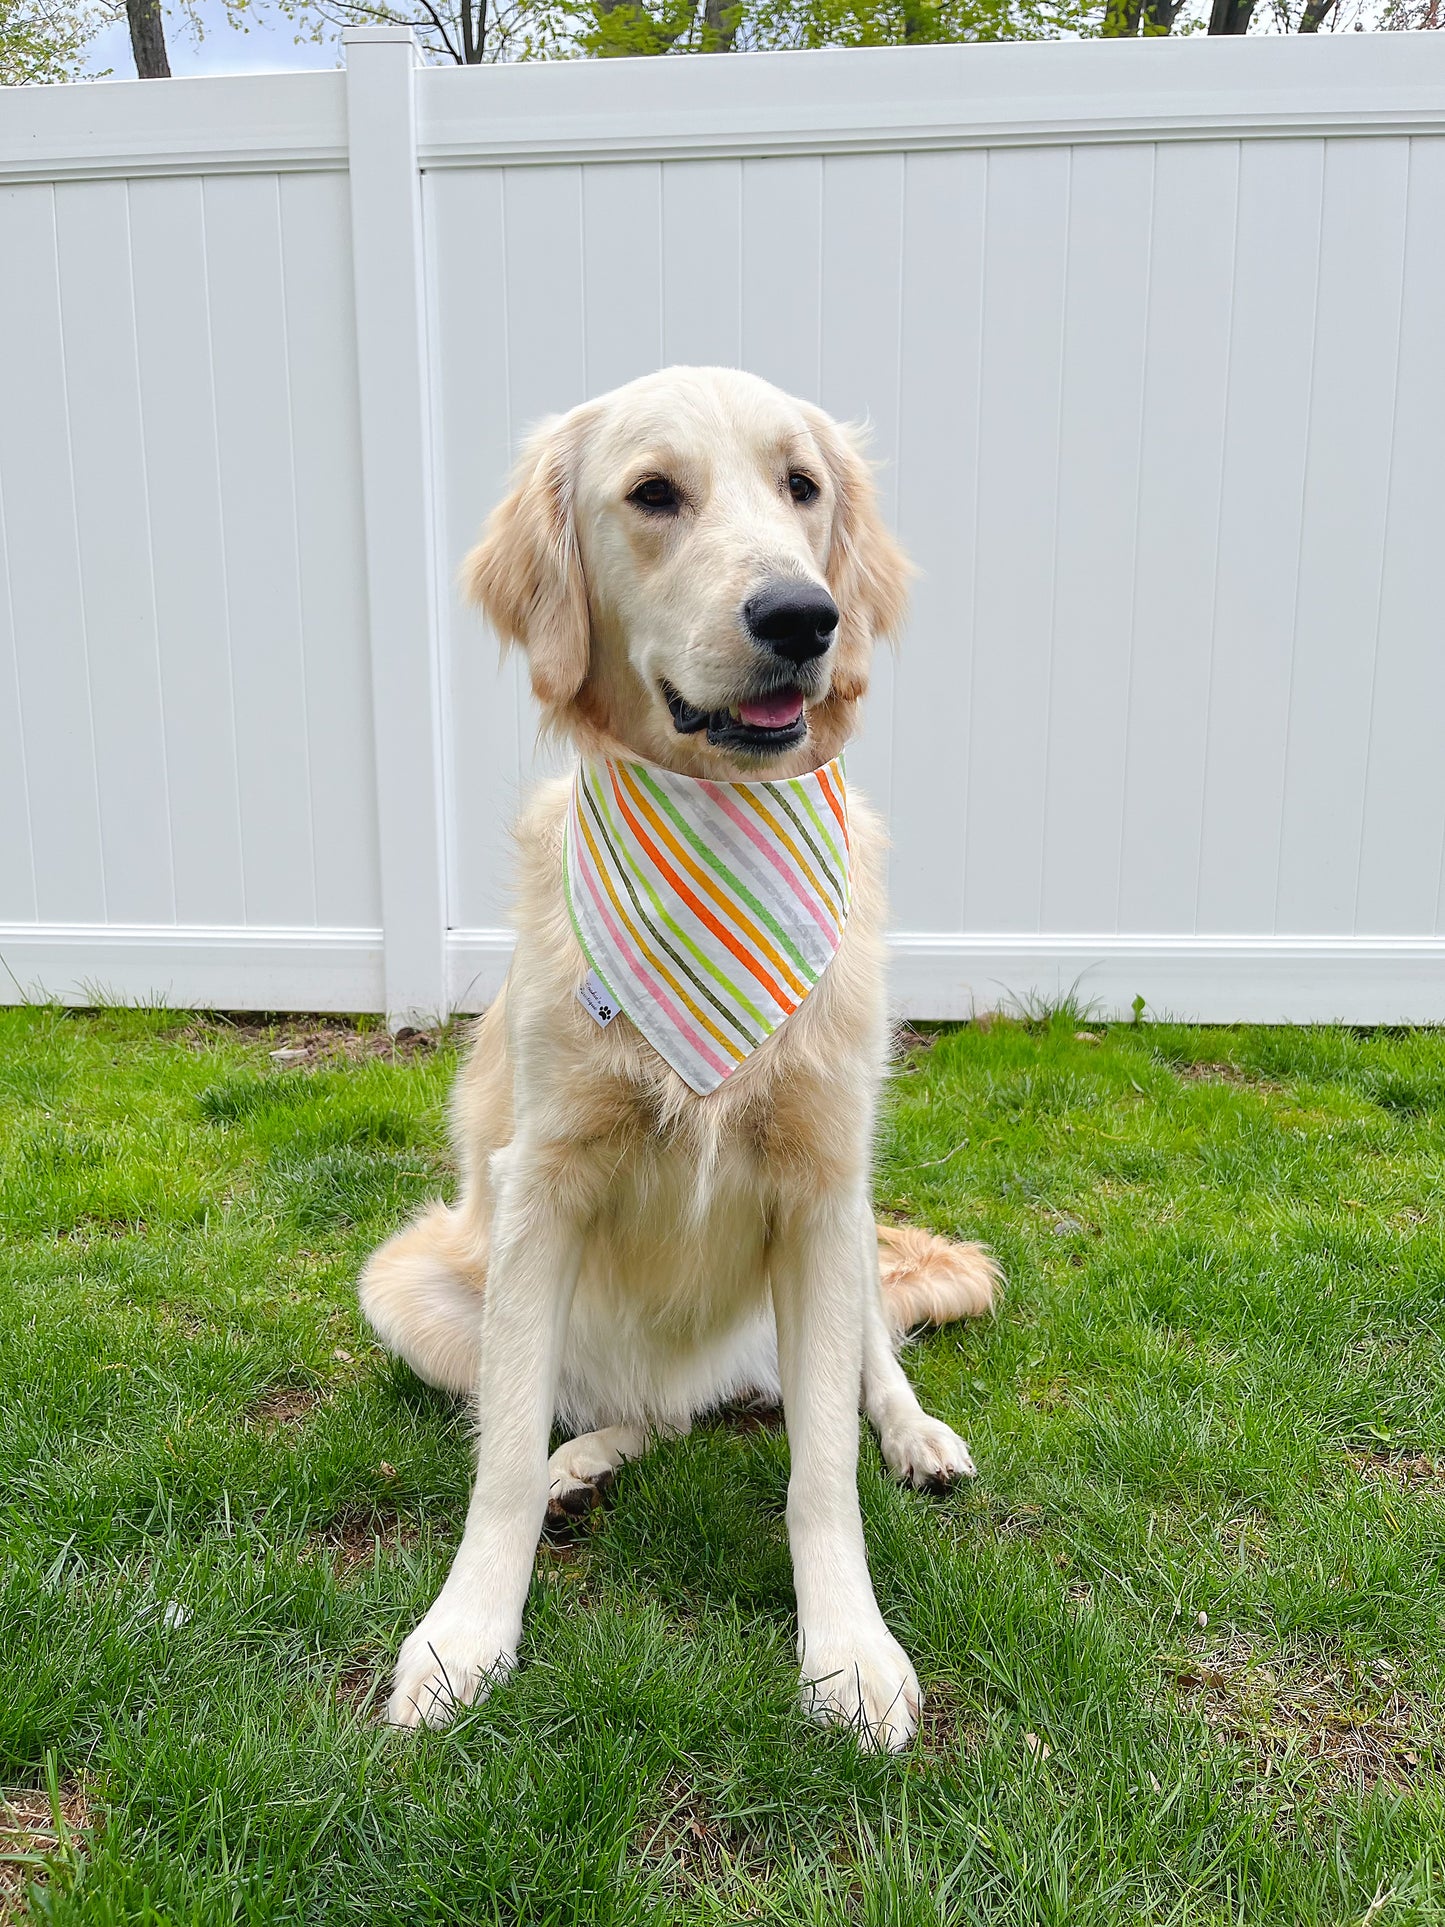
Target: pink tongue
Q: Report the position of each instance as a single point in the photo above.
(773, 712)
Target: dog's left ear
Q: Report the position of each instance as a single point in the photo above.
(526, 572)
(867, 572)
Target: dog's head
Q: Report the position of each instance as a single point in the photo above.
(696, 567)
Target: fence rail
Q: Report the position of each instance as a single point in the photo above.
(1148, 336)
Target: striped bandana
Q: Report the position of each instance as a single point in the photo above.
(708, 911)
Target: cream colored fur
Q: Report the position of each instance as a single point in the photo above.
(625, 1254)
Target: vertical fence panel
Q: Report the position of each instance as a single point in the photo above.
(1024, 292)
(259, 513)
(43, 558)
(622, 272)
(940, 373)
(1256, 576)
(1186, 374)
(782, 245)
(114, 544)
(1398, 883)
(1347, 481)
(17, 862)
(331, 568)
(188, 537)
(701, 262)
(1100, 426)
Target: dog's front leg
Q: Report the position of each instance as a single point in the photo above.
(468, 1641)
(854, 1671)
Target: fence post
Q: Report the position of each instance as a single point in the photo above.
(396, 474)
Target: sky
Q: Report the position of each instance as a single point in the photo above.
(268, 46)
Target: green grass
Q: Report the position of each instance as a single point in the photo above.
(1183, 1640)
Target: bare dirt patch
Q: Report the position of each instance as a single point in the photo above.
(1339, 1725)
(90, 1228)
(356, 1539)
(984, 1513)
(909, 1043)
(360, 1688)
(750, 1415)
(282, 1407)
(1245, 1536)
(692, 1845)
(304, 1043)
(946, 1726)
(1405, 1471)
(32, 1842)
(1222, 1073)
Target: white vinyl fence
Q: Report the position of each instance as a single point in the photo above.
(1152, 340)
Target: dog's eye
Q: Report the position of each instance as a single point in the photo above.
(802, 487)
(656, 494)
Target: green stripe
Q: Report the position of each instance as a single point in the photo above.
(801, 827)
(577, 927)
(715, 863)
(610, 842)
(808, 805)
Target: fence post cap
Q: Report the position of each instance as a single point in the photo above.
(377, 36)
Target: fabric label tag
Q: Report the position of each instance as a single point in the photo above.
(596, 999)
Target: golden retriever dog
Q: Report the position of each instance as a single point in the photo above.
(696, 568)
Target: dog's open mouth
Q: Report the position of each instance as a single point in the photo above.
(757, 726)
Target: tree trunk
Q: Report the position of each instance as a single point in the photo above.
(720, 25)
(474, 32)
(1230, 16)
(148, 39)
(1314, 14)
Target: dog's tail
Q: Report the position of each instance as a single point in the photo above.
(928, 1281)
(422, 1294)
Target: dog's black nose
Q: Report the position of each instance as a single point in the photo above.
(793, 619)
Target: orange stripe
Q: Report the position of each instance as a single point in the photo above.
(823, 895)
(700, 909)
(729, 904)
(841, 814)
(637, 937)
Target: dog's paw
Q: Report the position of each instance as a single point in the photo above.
(447, 1663)
(864, 1683)
(924, 1452)
(578, 1472)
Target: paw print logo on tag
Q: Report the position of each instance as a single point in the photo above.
(596, 999)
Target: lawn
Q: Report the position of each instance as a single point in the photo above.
(1183, 1640)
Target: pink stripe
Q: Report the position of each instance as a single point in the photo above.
(731, 811)
(673, 1015)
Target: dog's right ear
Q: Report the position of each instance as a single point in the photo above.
(526, 572)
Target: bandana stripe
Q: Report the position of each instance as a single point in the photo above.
(656, 920)
(736, 932)
(708, 910)
(646, 952)
(839, 809)
(733, 882)
(767, 844)
(830, 882)
(758, 801)
(833, 858)
(627, 966)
